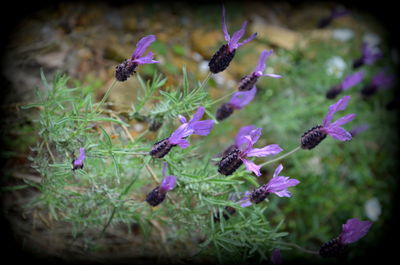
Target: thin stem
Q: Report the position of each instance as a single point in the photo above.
(298, 247)
(223, 97)
(106, 95)
(280, 157)
(205, 80)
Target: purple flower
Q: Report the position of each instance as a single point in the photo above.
(237, 102)
(244, 148)
(382, 80)
(127, 68)
(352, 231)
(278, 185)
(221, 59)
(349, 81)
(276, 257)
(178, 137)
(78, 163)
(315, 135)
(250, 80)
(369, 55)
(157, 195)
(335, 13)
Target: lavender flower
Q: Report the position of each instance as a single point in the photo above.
(237, 102)
(222, 58)
(248, 82)
(243, 148)
(349, 81)
(157, 195)
(78, 163)
(335, 13)
(227, 212)
(382, 80)
(315, 135)
(178, 137)
(276, 257)
(278, 185)
(369, 55)
(127, 67)
(352, 231)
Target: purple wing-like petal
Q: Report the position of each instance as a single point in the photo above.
(251, 166)
(197, 116)
(224, 29)
(81, 157)
(182, 119)
(242, 98)
(272, 75)
(352, 80)
(142, 45)
(168, 183)
(278, 170)
(233, 43)
(148, 59)
(353, 230)
(268, 150)
(343, 120)
(247, 40)
(338, 133)
(262, 61)
(245, 130)
(279, 185)
(202, 127)
(370, 54)
(383, 80)
(183, 131)
(339, 105)
(359, 129)
(182, 143)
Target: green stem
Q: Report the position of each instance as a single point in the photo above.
(281, 157)
(205, 80)
(223, 97)
(298, 247)
(106, 94)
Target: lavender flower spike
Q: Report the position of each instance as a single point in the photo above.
(78, 163)
(244, 148)
(127, 67)
(382, 80)
(222, 58)
(352, 231)
(349, 81)
(278, 185)
(237, 102)
(178, 137)
(157, 195)
(276, 257)
(247, 82)
(369, 55)
(315, 135)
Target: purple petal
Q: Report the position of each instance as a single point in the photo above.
(338, 133)
(164, 169)
(142, 45)
(343, 120)
(276, 257)
(279, 185)
(353, 230)
(339, 105)
(251, 166)
(268, 150)
(352, 80)
(272, 75)
(81, 157)
(182, 119)
(262, 61)
(278, 170)
(224, 29)
(242, 98)
(168, 183)
(202, 127)
(233, 43)
(245, 130)
(247, 40)
(245, 201)
(183, 131)
(246, 204)
(358, 129)
(197, 116)
(370, 54)
(182, 143)
(383, 80)
(148, 59)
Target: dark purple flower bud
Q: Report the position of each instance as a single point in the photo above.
(315, 135)
(244, 142)
(278, 185)
(222, 58)
(369, 55)
(249, 81)
(158, 194)
(78, 163)
(237, 102)
(352, 231)
(178, 137)
(124, 70)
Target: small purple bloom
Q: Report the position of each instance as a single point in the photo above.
(335, 13)
(352, 231)
(237, 102)
(278, 185)
(314, 136)
(78, 163)
(244, 142)
(127, 68)
(178, 137)
(276, 257)
(157, 195)
(382, 80)
(222, 58)
(250, 80)
(369, 55)
(349, 81)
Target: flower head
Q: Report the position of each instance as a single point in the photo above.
(78, 163)
(353, 230)
(383, 80)
(157, 195)
(237, 102)
(349, 81)
(276, 257)
(278, 185)
(370, 53)
(127, 68)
